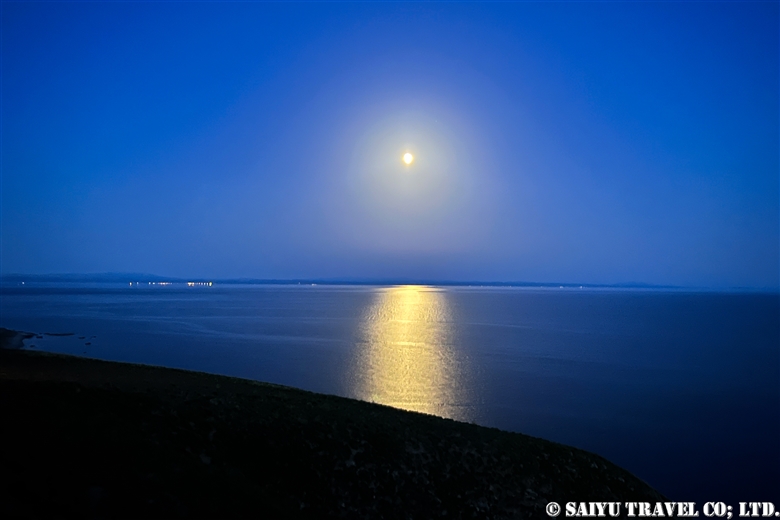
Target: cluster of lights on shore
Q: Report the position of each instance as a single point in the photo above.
(189, 284)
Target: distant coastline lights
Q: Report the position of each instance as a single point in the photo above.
(189, 284)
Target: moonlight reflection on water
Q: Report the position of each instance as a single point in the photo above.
(405, 357)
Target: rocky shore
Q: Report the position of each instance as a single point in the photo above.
(82, 438)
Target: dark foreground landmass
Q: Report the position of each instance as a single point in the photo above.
(83, 438)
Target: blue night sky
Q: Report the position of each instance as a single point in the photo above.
(603, 142)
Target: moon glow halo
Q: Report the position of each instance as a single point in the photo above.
(408, 158)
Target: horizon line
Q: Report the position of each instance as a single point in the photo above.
(148, 278)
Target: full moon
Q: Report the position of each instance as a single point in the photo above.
(408, 158)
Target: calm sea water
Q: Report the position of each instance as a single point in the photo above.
(682, 389)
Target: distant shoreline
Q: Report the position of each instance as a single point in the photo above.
(146, 278)
(151, 279)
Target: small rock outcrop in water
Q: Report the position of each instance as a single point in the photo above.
(87, 438)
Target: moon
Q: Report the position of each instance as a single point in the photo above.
(408, 158)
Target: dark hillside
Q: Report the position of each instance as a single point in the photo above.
(84, 438)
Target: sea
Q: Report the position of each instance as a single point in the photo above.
(682, 388)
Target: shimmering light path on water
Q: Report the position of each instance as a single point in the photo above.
(406, 356)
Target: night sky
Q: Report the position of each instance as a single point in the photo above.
(604, 142)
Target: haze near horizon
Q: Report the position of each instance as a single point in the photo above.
(598, 143)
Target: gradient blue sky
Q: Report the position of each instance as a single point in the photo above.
(591, 142)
